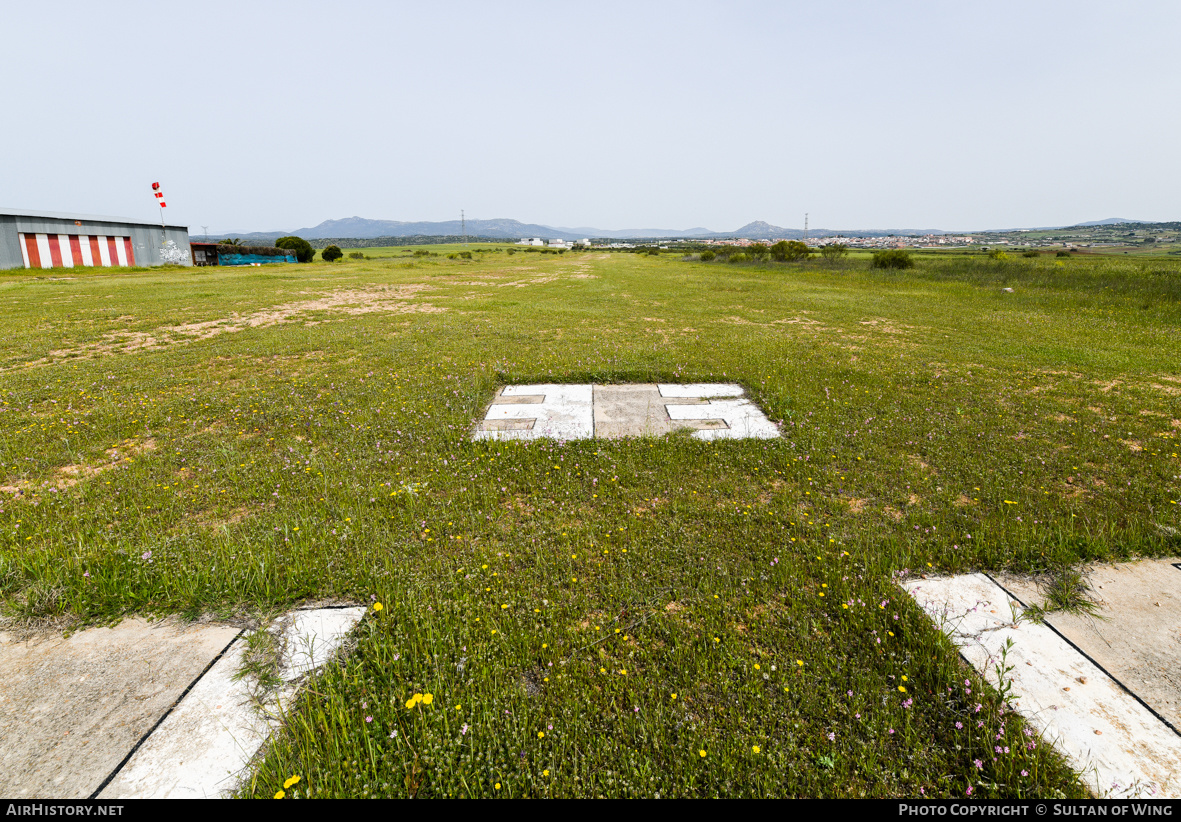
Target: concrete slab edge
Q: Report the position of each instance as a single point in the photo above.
(1120, 747)
(165, 716)
(202, 747)
(1092, 660)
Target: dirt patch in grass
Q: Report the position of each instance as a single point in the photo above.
(378, 299)
(67, 476)
(918, 463)
(211, 519)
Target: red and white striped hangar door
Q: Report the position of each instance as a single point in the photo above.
(69, 250)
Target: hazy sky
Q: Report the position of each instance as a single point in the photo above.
(259, 116)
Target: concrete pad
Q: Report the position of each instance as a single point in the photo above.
(710, 410)
(1119, 746)
(703, 390)
(203, 748)
(1137, 637)
(564, 414)
(71, 709)
(742, 417)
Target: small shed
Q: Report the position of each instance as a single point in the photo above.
(221, 254)
(204, 253)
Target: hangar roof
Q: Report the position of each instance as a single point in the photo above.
(90, 218)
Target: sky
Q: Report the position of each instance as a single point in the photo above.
(881, 114)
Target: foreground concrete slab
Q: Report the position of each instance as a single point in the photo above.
(203, 748)
(563, 413)
(709, 410)
(631, 411)
(1136, 636)
(1120, 747)
(71, 709)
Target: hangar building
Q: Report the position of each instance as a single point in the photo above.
(43, 239)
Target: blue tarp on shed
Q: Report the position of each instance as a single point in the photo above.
(251, 259)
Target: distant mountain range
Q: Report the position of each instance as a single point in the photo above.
(362, 228)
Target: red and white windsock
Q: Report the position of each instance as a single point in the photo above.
(160, 199)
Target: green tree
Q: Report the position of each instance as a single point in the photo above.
(834, 251)
(789, 251)
(894, 258)
(331, 254)
(302, 248)
(708, 256)
(758, 251)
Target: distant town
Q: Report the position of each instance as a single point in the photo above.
(1156, 238)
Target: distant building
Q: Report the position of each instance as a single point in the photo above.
(43, 239)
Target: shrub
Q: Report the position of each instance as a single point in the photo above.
(331, 254)
(1030, 254)
(789, 251)
(356, 255)
(1062, 253)
(758, 251)
(421, 252)
(738, 258)
(302, 248)
(997, 254)
(894, 258)
(708, 256)
(834, 251)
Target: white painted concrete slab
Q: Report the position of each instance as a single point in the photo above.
(528, 412)
(744, 418)
(1119, 746)
(202, 747)
(1135, 634)
(703, 390)
(565, 413)
(71, 708)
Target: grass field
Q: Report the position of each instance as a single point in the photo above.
(597, 618)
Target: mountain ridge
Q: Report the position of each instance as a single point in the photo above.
(510, 229)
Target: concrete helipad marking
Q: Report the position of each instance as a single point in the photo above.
(710, 410)
(1119, 746)
(742, 420)
(1137, 637)
(203, 746)
(71, 708)
(565, 413)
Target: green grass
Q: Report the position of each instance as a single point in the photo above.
(234, 441)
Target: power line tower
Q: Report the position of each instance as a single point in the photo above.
(205, 228)
(805, 228)
(463, 225)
